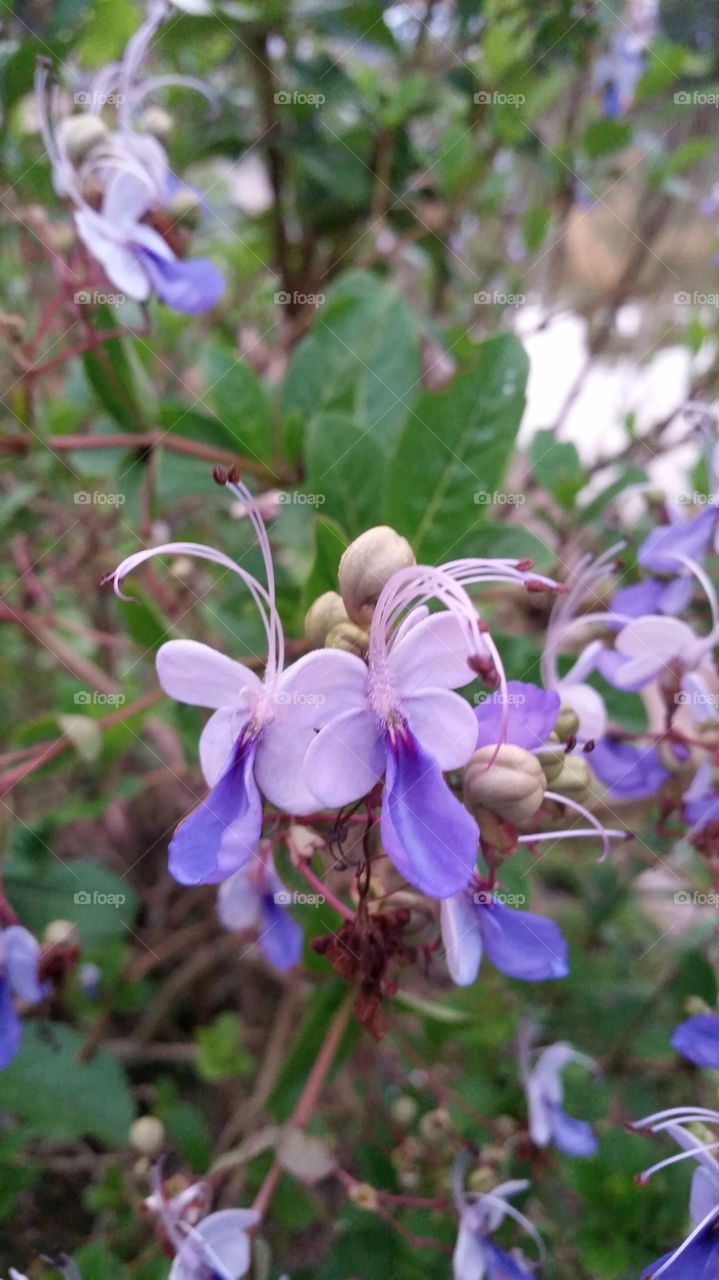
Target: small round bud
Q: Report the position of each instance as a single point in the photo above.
(326, 612)
(575, 778)
(404, 1110)
(436, 1126)
(481, 1180)
(367, 564)
(345, 635)
(567, 725)
(513, 786)
(157, 121)
(61, 933)
(552, 759)
(363, 1196)
(147, 1135)
(79, 134)
(185, 208)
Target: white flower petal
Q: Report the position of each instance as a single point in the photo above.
(444, 724)
(346, 758)
(217, 740)
(461, 938)
(194, 673)
(433, 653)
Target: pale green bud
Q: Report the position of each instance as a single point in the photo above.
(367, 564)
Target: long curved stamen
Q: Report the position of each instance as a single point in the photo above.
(587, 575)
(498, 1202)
(276, 659)
(605, 833)
(680, 1115)
(675, 1159)
(135, 51)
(709, 590)
(180, 82)
(265, 604)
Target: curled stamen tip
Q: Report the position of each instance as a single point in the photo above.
(525, 565)
(219, 474)
(589, 745)
(534, 585)
(641, 1179)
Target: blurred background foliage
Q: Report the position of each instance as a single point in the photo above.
(403, 216)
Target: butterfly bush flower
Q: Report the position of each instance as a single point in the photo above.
(698, 1040)
(407, 724)
(254, 898)
(19, 980)
(518, 943)
(128, 205)
(544, 1089)
(207, 1246)
(476, 1256)
(697, 1258)
(619, 71)
(255, 742)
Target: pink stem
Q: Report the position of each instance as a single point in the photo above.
(321, 888)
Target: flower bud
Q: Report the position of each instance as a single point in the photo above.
(404, 1110)
(303, 841)
(185, 208)
(147, 1135)
(513, 786)
(345, 635)
(157, 121)
(436, 1126)
(79, 134)
(567, 725)
(552, 759)
(61, 933)
(363, 1196)
(322, 616)
(497, 836)
(482, 1180)
(367, 564)
(575, 778)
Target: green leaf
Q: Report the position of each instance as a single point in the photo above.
(241, 402)
(454, 448)
(602, 137)
(361, 356)
(330, 542)
(558, 468)
(143, 620)
(111, 375)
(221, 1052)
(345, 466)
(99, 902)
(58, 1096)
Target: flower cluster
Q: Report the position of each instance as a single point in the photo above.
(372, 716)
(131, 212)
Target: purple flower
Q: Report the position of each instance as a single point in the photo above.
(531, 716)
(701, 799)
(697, 1258)
(518, 943)
(211, 1246)
(408, 725)
(653, 596)
(119, 180)
(548, 1121)
(627, 771)
(255, 742)
(476, 1257)
(254, 898)
(667, 548)
(698, 1040)
(19, 980)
